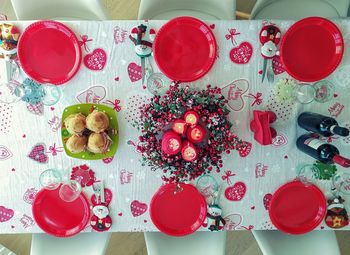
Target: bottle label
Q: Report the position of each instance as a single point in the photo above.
(313, 143)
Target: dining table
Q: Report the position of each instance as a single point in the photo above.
(110, 74)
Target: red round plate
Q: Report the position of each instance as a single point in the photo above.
(297, 208)
(184, 49)
(57, 217)
(180, 213)
(311, 49)
(49, 52)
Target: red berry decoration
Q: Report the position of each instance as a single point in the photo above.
(182, 109)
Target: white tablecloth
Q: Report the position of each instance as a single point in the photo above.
(263, 170)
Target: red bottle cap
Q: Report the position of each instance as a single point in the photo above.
(344, 162)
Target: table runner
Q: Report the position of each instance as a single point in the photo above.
(263, 170)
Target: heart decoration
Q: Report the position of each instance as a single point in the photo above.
(279, 141)
(242, 53)
(108, 160)
(38, 153)
(267, 200)
(233, 221)
(212, 26)
(236, 192)
(138, 208)
(96, 60)
(93, 95)
(37, 109)
(6, 214)
(135, 72)
(244, 148)
(277, 65)
(5, 153)
(29, 195)
(234, 94)
(84, 175)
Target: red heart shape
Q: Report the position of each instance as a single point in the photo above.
(277, 65)
(5, 214)
(279, 141)
(242, 53)
(120, 214)
(96, 60)
(135, 72)
(234, 93)
(244, 148)
(108, 160)
(38, 153)
(37, 109)
(236, 192)
(267, 200)
(212, 26)
(138, 208)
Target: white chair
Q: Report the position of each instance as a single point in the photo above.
(201, 9)
(59, 9)
(297, 9)
(81, 244)
(199, 243)
(316, 242)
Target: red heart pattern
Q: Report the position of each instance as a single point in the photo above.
(138, 208)
(93, 95)
(5, 214)
(29, 195)
(38, 153)
(244, 148)
(236, 192)
(135, 72)
(5, 153)
(279, 141)
(277, 65)
(234, 94)
(267, 200)
(96, 60)
(242, 53)
(37, 109)
(108, 160)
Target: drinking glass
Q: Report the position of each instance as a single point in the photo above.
(70, 190)
(50, 179)
(305, 93)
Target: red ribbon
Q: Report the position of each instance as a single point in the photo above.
(257, 98)
(84, 41)
(231, 35)
(227, 176)
(115, 104)
(54, 150)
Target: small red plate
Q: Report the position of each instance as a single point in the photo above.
(57, 217)
(184, 49)
(311, 49)
(178, 213)
(297, 208)
(49, 52)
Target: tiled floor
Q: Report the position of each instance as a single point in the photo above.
(238, 243)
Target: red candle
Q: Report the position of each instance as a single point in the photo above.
(179, 126)
(189, 152)
(196, 134)
(171, 143)
(191, 117)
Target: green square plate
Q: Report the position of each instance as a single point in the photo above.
(113, 131)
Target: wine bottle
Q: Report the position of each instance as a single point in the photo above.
(324, 152)
(320, 124)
